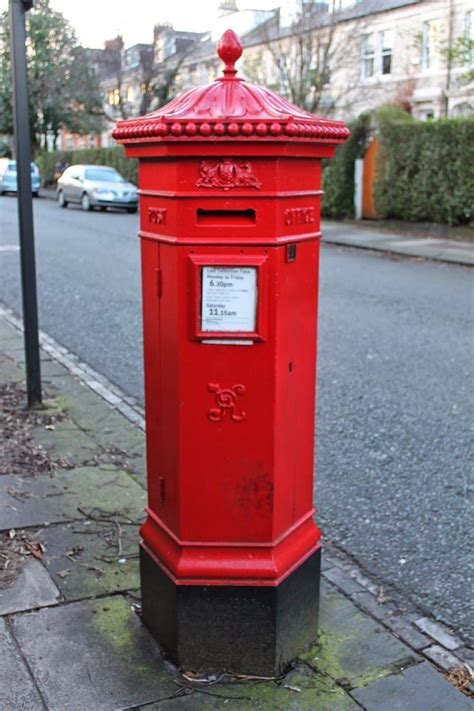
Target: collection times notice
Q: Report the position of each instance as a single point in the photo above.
(229, 299)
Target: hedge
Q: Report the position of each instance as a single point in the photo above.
(425, 171)
(114, 157)
(338, 173)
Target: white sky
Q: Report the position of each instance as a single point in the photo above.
(98, 20)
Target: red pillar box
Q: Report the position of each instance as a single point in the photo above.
(230, 189)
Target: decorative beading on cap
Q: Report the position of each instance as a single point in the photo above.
(230, 109)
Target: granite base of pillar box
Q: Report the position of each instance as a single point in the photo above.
(241, 629)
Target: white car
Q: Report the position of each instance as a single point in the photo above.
(96, 186)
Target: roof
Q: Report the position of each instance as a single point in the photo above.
(370, 7)
(322, 17)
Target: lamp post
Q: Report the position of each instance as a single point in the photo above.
(17, 11)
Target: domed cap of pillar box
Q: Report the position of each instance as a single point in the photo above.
(229, 109)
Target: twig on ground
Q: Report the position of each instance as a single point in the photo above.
(107, 518)
(119, 538)
(190, 688)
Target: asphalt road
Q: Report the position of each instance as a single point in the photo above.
(395, 401)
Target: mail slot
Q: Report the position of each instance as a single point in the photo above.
(225, 217)
(230, 190)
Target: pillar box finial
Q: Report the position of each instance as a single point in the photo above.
(229, 49)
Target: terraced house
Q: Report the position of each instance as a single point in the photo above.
(335, 57)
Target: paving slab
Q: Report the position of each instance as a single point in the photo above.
(32, 588)
(87, 558)
(347, 584)
(67, 441)
(51, 369)
(9, 371)
(108, 428)
(8, 333)
(28, 502)
(417, 689)
(439, 633)
(353, 647)
(17, 690)
(15, 350)
(84, 407)
(94, 654)
(407, 632)
(441, 657)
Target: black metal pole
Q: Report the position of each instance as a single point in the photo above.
(25, 204)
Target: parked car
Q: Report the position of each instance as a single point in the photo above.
(8, 179)
(96, 186)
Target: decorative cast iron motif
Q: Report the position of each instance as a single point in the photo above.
(157, 215)
(227, 174)
(226, 403)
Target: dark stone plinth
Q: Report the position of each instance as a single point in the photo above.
(242, 629)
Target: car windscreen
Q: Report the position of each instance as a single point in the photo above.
(11, 168)
(110, 176)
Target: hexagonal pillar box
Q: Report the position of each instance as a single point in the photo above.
(230, 190)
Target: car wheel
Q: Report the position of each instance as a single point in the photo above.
(86, 203)
(35, 194)
(103, 209)
(131, 210)
(62, 202)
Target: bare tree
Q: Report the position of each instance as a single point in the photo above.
(160, 76)
(304, 55)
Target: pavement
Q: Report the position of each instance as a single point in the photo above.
(70, 630)
(365, 236)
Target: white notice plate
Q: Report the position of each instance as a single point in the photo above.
(229, 299)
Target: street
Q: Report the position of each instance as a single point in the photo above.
(394, 410)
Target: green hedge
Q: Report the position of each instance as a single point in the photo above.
(425, 171)
(338, 173)
(115, 157)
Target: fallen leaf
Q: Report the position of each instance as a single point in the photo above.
(11, 534)
(63, 573)
(35, 550)
(292, 688)
(381, 597)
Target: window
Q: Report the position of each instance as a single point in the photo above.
(114, 97)
(386, 42)
(468, 36)
(130, 94)
(108, 175)
(377, 49)
(429, 32)
(368, 56)
(426, 115)
(169, 45)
